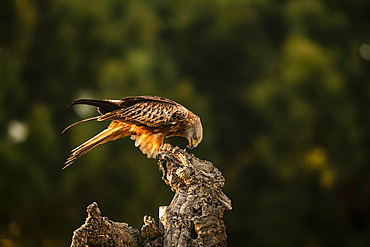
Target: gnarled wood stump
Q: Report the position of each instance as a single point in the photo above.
(99, 231)
(193, 218)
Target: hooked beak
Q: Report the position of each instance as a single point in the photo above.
(192, 144)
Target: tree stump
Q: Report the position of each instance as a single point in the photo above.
(193, 218)
(99, 231)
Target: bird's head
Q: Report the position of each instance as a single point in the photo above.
(194, 134)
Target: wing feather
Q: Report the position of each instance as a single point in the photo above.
(149, 113)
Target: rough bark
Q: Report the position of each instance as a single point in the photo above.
(100, 231)
(193, 218)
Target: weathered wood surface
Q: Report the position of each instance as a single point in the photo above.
(99, 231)
(193, 218)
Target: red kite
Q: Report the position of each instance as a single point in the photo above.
(147, 119)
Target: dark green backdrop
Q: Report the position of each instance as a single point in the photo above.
(282, 87)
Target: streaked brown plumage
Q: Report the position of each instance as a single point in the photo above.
(147, 119)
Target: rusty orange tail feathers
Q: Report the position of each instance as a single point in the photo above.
(113, 132)
(148, 142)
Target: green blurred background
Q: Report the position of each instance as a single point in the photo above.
(282, 87)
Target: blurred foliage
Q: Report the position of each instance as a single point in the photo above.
(282, 88)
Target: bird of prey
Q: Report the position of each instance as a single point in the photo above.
(147, 119)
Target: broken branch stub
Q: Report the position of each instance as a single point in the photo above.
(100, 231)
(194, 217)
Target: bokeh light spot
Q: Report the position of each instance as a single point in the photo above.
(17, 131)
(364, 51)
